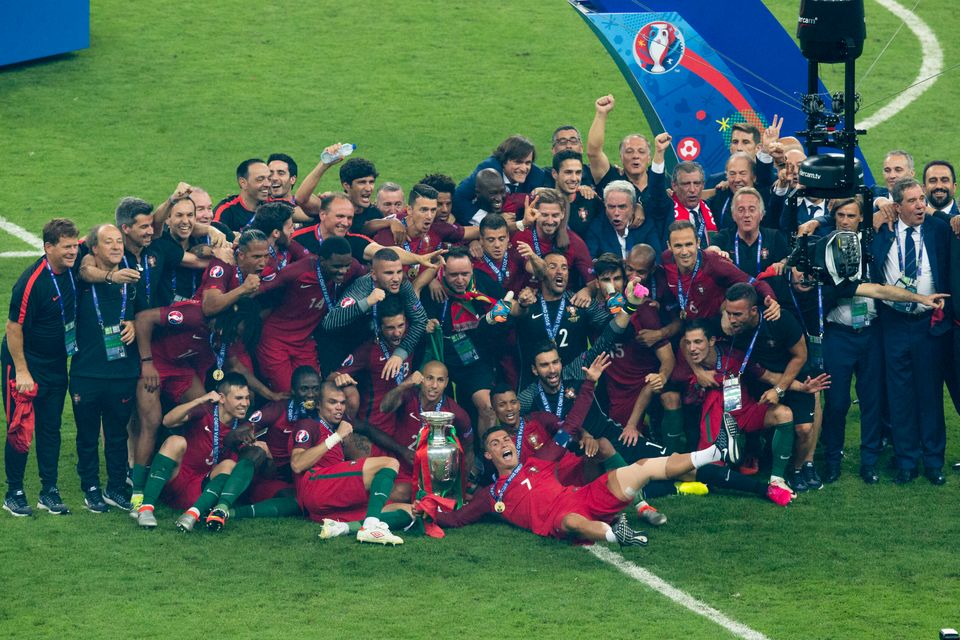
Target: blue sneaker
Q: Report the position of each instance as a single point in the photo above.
(117, 498)
(93, 499)
(51, 501)
(16, 503)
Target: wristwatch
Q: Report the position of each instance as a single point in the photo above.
(780, 392)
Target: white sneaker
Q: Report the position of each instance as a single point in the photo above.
(146, 519)
(333, 529)
(378, 534)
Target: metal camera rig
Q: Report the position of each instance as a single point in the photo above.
(830, 31)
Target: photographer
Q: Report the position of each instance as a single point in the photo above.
(838, 314)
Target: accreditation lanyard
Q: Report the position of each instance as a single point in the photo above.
(326, 293)
(503, 272)
(553, 328)
(123, 304)
(215, 454)
(919, 254)
(736, 249)
(546, 402)
(684, 298)
(746, 358)
(536, 242)
(281, 257)
(145, 268)
(796, 305)
(173, 286)
(69, 328)
(519, 442)
(406, 243)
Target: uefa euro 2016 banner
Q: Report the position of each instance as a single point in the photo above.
(697, 67)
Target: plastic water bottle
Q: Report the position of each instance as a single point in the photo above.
(345, 150)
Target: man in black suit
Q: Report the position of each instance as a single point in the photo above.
(914, 255)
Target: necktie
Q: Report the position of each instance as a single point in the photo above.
(910, 256)
(814, 211)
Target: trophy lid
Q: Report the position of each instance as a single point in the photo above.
(438, 418)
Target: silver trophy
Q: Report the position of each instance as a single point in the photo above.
(443, 455)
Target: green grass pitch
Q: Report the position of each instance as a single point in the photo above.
(184, 90)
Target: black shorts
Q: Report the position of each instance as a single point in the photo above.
(802, 406)
(471, 378)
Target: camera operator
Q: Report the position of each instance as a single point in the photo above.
(838, 315)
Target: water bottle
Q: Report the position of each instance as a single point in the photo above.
(345, 150)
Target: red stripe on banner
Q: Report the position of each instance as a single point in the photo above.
(695, 64)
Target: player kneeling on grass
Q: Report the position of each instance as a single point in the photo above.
(715, 377)
(529, 495)
(331, 489)
(200, 451)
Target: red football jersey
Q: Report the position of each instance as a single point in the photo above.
(183, 334)
(304, 304)
(198, 432)
(408, 422)
(309, 433)
(632, 360)
(365, 365)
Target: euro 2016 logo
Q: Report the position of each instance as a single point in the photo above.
(658, 47)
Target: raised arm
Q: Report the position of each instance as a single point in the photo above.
(599, 163)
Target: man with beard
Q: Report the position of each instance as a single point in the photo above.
(275, 221)
(40, 335)
(358, 178)
(697, 279)
(552, 316)
(463, 334)
(283, 176)
(360, 375)
(360, 299)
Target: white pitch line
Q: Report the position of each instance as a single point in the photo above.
(682, 598)
(931, 65)
(19, 254)
(19, 232)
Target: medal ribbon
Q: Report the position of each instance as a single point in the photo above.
(685, 298)
(553, 329)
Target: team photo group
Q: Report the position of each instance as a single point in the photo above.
(556, 340)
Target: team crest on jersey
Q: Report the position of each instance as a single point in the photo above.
(302, 436)
(76, 398)
(175, 317)
(216, 271)
(347, 302)
(570, 393)
(700, 288)
(152, 261)
(582, 213)
(764, 253)
(269, 277)
(534, 441)
(347, 361)
(256, 416)
(572, 314)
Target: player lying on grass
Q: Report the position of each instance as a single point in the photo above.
(529, 495)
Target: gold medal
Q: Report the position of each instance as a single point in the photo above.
(683, 314)
(218, 374)
(499, 507)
